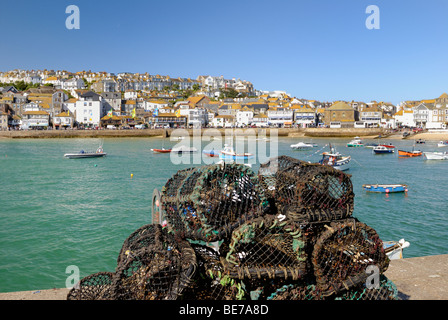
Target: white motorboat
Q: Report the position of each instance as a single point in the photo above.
(184, 149)
(436, 155)
(85, 154)
(302, 146)
(442, 144)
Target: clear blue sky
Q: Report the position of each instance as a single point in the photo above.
(318, 49)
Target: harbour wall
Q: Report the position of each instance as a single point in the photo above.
(281, 132)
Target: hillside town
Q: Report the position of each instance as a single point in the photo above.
(63, 100)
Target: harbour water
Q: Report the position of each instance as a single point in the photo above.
(56, 212)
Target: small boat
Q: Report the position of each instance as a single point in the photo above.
(413, 153)
(184, 149)
(163, 150)
(371, 145)
(335, 159)
(302, 146)
(382, 149)
(442, 144)
(211, 153)
(356, 142)
(436, 155)
(229, 154)
(394, 249)
(385, 188)
(420, 141)
(83, 154)
(177, 138)
(390, 146)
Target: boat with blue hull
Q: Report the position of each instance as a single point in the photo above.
(382, 149)
(385, 188)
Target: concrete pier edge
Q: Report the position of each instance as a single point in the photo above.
(419, 278)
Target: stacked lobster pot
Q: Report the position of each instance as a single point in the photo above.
(286, 233)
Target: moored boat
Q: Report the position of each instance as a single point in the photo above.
(390, 145)
(413, 153)
(385, 188)
(301, 146)
(356, 142)
(184, 149)
(436, 155)
(382, 149)
(335, 159)
(163, 150)
(442, 144)
(83, 154)
(420, 141)
(394, 249)
(229, 154)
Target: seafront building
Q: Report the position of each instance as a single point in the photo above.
(85, 99)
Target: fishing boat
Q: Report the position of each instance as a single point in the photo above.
(85, 154)
(420, 141)
(371, 145)
(382, 149)
(229, 154)
(394, 249)
(211, 153)
(163, 150)
(390, 145)
(184, 149)
(302, 146)
(413, 153)
(385, 188)
(442, 144)
(356, 142)
(436, 155)
(335, 159)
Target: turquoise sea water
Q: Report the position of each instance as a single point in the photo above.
(58, 212)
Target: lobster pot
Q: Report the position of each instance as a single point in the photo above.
(210, 201)
(210, 283)
(150, 234)
(97, 286)
(386, 291)
(266, 248)
(344, 253)
(155, 272)
(307, 192)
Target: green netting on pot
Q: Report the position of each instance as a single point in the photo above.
(307, 192)
(297, 291)
(97, 286)
(343, 252)
(209, 282)
(212, 200)
(143, 237)
(266, 247)
(386, 291)
(155, 272)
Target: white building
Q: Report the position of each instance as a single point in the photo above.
(90, 109)
(280, 116)
(404, 117)
(72, 83)
(244, 117)
(304, 117)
